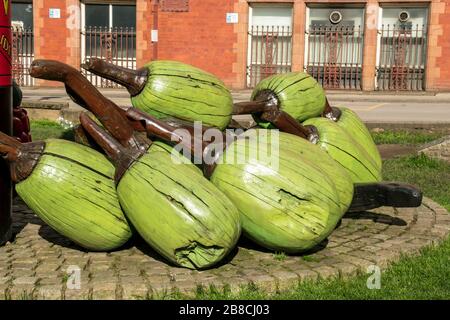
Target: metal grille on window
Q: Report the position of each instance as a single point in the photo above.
(22, 42)
(402, 57)
(402, 50)
(335, 56)
(271, 49)
(334, 43)
(109, 34)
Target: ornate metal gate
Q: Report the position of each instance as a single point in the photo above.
(270, 52)
(402, 57)
(22, 55)
(334, 56)
(115, 45)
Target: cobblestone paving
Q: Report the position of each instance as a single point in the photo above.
(39, 263)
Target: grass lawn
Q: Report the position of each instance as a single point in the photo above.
(421, 277)
(404, 137)
(46, 129)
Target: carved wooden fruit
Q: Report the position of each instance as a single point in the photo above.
(346, 150)
(296, 93)
(172, 206)
(293, 208)
(172, 89)
(274, 201)
(71, 188)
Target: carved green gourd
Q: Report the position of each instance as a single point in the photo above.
(172, 89)
(71, 188)
(173, 207)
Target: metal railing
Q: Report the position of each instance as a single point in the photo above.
(270, 52)
(115, 45)
(22, 55)
(334, 55)
(402, 53)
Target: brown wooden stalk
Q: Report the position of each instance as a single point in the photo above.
(367, 196)
(121, 156)
(84, 93)
(21, 157)
(330, 112)
(133, 80)
(266, 107)
(174, 122)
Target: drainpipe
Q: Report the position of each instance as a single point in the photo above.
(5, 117)
(155, 8)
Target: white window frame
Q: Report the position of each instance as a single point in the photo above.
(249, 28)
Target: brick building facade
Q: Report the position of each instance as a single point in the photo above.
(346, 44)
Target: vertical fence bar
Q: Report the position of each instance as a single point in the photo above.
(22, 55)
(401, 64)
(116, 45)
(270, 52)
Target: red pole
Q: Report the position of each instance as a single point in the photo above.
(5, 117)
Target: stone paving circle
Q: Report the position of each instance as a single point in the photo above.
(40, 264)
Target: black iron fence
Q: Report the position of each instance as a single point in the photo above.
(402, 56)
(22, 55)
(115, 45)
(334, 55)
(270, 52)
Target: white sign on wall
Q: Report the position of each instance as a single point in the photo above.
(232, 17)
(154, 36)
(54, 13)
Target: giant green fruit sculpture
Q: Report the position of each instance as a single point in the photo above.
(293, 208)
(71, 188)
(346, 150)
(173, 207)
(296, 93)
(289, 193)
(350, 121)
(177, 211)
(172, 89)
(340, 132)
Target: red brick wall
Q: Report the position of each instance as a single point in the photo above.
(144, 25)
(443, 40)
(200, 37)
(57, 39)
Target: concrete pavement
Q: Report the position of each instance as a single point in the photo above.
(375, 107)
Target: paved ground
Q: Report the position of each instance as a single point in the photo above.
(40, 264)
(371, 107)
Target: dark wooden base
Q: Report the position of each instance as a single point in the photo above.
(391, 194)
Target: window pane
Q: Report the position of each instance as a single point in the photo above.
(23, 12)
(97, 15)
(272, 15)
(124, 16)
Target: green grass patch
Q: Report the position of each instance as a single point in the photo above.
(405, 137)
(46, 129)
(431, 175)
(280, 256)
